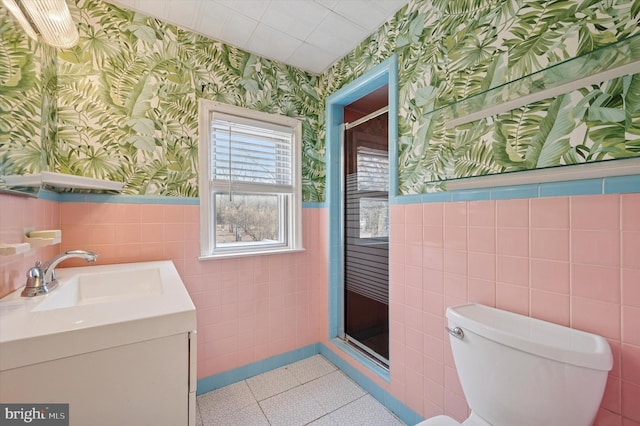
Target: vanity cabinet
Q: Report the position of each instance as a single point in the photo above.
(115, 342)
(145, 383)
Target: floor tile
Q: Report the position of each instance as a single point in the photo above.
(311, 368)
(250, 415)
(324, 421)
(308, 392)
(365, 411)
(272, 383)
(198, 417)
(333, 390)
(220, 402)
(291, 408)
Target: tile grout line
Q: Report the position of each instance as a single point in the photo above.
(312, 396)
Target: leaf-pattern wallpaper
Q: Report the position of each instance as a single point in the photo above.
(27, 101)
(126, 100)
(451, 49)
(122, 105)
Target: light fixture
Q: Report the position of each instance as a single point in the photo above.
(50, 19)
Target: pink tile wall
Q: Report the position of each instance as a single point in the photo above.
(248, 309)
(574, 261)
(16, 214)
(570, 260)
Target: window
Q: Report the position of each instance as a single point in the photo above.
(372, 192)
(250, 194)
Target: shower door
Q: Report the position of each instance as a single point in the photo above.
(366, 238)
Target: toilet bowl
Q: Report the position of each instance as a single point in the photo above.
(473, 420)
(517, 370)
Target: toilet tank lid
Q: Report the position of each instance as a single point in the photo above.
(538, 337)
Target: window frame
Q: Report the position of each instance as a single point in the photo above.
(290, 215)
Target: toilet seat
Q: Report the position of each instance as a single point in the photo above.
(439, 421)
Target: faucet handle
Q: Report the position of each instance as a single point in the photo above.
(35, 281)
(35, 271)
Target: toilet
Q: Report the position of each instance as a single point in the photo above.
(517, 370)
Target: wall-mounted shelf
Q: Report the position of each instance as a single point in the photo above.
(11, 249)
(608, 62)
(43, 238)
(600, 169)
(61, 181)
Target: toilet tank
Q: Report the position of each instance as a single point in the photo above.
(517, 370)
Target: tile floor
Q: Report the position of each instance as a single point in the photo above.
(308, 392)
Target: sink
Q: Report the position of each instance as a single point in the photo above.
(93, 308)
(127, 331)
(104, 287)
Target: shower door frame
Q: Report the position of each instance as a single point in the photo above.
(385, 73)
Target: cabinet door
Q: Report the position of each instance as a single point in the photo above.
(145, 383)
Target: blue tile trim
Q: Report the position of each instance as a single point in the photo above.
(45, 194)
(379, 371)
(471, 195)
(70, 197)
(573, 187)
(621, 184)
(313, 204)
(406, 199)
(608, 185)
(436, 197)
(518, 191)
(217, 381)
(406, 414)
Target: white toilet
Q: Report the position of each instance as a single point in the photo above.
(520, 371)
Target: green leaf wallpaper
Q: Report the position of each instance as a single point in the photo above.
(27, 101)
(123, 104)
(126, 101)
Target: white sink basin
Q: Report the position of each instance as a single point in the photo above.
(104, 287)
(94, 307)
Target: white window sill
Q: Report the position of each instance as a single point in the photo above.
(249, 253)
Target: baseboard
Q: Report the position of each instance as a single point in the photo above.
(406, 414)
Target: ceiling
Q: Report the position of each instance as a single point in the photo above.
(308, 34)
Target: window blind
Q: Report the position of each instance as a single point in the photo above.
(259, 154)
(373, 169)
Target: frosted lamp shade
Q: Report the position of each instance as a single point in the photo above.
(49, 18)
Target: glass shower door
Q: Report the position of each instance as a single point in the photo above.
(366, 240)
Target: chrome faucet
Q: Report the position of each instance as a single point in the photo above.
(41, 278)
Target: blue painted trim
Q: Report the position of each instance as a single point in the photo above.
(608, 185)
(70, 197)
(373, 79)
(408, 199)
(470, 195)
(406, 414)
(517, 191)
(217, 381)
(622, 184)
(436, 197)
(379, 371)
(573, 187)
(313, 204)
(45, 194)
(392, 95)
(385, 73)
